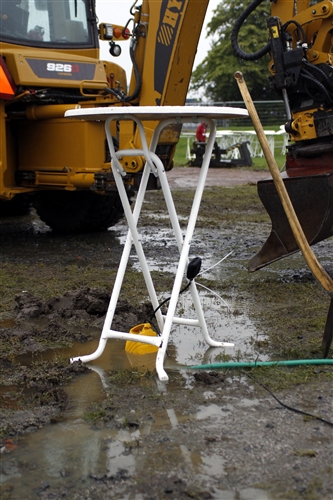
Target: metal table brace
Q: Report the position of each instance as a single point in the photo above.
(155, 166)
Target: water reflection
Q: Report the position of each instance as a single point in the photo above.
(82, 454)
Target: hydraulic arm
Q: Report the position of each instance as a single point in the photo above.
(301, 73)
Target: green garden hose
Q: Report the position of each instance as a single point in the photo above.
(255, 364)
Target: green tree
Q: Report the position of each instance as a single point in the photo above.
(215, 75)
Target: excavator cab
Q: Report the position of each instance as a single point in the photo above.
(52, 24)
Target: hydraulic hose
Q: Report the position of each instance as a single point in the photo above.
(235, 31)
(121, 96)
(323, 87)
(319, 86)
(138, 81)
(320, 72)
(255, 364)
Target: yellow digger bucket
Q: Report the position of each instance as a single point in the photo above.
(312, 198)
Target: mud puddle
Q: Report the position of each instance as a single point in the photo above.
(135, 438)
(115, 431)
(186, 344)
(75, 458)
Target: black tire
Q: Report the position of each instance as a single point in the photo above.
(19, 205)
(78, 211)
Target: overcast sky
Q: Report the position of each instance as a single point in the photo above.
(117, 12)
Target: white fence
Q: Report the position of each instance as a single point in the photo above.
(227, 138)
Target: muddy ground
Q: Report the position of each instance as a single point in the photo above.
(112, 430)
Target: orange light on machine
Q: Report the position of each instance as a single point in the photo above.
(7, 85)
(119, 32)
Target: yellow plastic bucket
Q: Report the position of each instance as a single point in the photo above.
(139, 347)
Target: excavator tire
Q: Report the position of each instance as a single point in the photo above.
(79, 211)
(19, 205)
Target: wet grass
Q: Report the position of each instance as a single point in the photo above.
(17, 277)
(290, 310)
(96, 414)
(219, 205)
(287, 306)
(279, 378)
(130, 377)
(295, 326)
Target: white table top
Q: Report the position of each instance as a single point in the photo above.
(220, 133)
(156, 112)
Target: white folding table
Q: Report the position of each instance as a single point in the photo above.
(165, 115)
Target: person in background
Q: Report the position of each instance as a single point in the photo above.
(199, 145)
(200, 134)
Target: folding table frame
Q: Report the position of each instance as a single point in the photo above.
(165, 115)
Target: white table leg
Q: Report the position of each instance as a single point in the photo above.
(154, 164)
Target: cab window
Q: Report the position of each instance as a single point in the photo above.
(40, 22)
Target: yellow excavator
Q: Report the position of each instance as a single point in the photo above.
(50, 63)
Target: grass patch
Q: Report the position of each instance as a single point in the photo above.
(96, 414)
(219, 205)
(278, 378)
(129, 377)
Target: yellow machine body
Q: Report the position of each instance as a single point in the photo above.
(49, 53)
